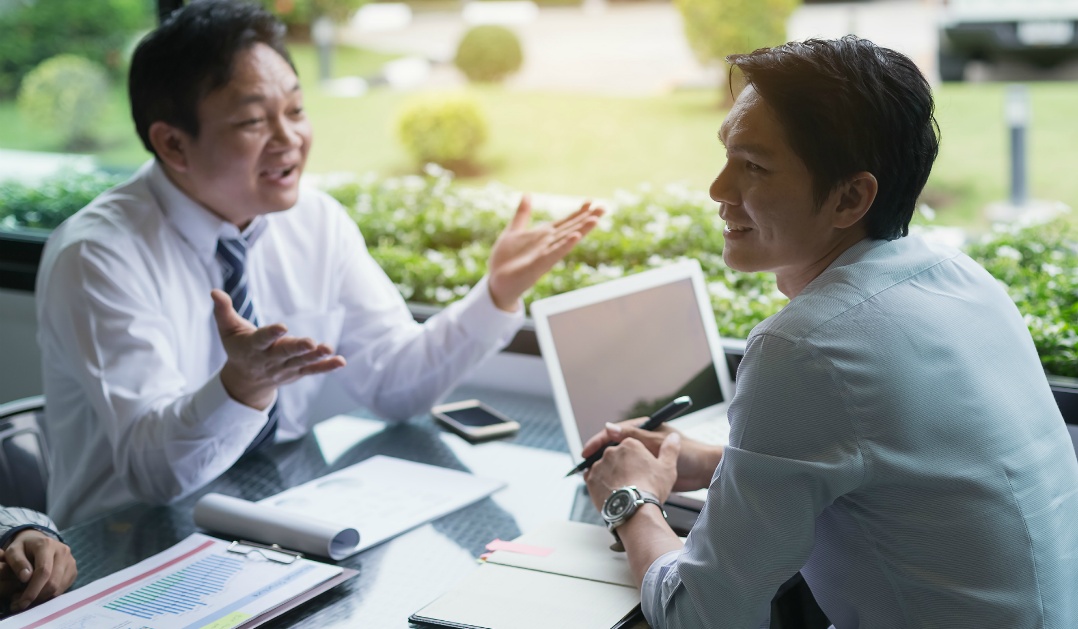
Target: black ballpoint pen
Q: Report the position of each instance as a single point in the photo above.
(676, 407)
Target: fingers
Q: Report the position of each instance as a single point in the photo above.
(586, 210)
(229, 321)
(612, 432)
(670, 449)
(18, 563)
(523, 214)
(40, 581)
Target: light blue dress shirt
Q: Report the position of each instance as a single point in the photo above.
(893, 437)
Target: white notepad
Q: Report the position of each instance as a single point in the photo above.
(350, 510)
(579, 583)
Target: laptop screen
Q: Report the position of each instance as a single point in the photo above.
(628, 355)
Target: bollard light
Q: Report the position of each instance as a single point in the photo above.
(1017, 113)
(322, 36)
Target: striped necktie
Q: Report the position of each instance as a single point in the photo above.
(232, 254)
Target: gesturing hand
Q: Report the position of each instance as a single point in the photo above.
(34, 568)
(521, 255)
(262, 359)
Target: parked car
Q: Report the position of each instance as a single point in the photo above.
(1040, 32)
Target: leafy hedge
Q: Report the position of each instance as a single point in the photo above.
(433, 239)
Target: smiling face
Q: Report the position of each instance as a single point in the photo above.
(252, 143)
(773, 223)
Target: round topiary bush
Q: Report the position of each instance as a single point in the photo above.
(489, 53)
(66, 93)
(446, 130)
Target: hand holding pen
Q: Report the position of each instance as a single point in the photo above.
(664, 414)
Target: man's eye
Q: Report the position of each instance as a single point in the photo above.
(250, 122)
(754, 167)
(298, 111)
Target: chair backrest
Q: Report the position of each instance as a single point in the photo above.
(1066, 394)
(24, 461)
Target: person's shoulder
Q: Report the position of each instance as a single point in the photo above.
(113, 217)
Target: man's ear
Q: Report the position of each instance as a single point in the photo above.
(855, 197)
(171, 145)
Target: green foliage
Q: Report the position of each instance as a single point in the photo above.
(66, 93)
(489, 53)
(99, 30)
(45, 204)
(303, 12)
(717, 28)
(445, 129)
(433, 239)
(1038, 265)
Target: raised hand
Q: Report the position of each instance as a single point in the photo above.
(262, 359)
(522, 254)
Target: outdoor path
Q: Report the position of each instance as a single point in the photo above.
(640, 48)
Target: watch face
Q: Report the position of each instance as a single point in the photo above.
(618, 503)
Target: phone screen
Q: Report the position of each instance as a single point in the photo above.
(475, 416)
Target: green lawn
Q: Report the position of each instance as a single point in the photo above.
(593, 145)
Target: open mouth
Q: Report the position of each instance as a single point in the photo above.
(733, 227)
(277, 174)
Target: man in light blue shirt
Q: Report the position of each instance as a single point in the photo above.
(893, 436)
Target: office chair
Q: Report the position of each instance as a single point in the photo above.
(24, 467)
(1066, 394)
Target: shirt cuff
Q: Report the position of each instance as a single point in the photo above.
(223, 418)
(652, 587)
(10, 534)
(481, 319)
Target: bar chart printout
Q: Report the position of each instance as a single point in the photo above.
(196, 584)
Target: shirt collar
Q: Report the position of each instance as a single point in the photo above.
(198, 226)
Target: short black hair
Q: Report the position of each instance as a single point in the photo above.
(847, 105)
(192, 54)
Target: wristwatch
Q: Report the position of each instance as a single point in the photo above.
(621, 504)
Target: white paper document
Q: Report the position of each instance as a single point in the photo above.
(196, 584)
(378, 498)
(562, 574)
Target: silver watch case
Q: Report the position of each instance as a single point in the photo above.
(622, 503)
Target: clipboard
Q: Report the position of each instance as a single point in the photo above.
(200, 581)
(562, 575)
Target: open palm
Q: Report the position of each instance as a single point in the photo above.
(522, 254)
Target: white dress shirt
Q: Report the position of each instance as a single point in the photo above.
(893, 437)
(136, 409)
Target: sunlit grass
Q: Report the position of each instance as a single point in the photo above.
(592, 145)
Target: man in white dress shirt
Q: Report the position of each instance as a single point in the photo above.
(893, 436)
(153, 388)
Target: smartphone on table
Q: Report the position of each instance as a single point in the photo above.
(474, 420)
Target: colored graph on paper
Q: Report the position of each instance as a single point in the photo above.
(180, 592)
(196, 584)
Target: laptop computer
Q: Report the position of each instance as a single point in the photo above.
(624, 348)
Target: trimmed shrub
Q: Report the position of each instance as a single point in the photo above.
(433, 240)
(446, 130)
(489, 53)
(45, 204)
(1038, 266)
(99, 30)
(66, 93)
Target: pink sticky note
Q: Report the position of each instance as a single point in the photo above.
(523, 549)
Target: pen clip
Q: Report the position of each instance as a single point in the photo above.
(272, 552)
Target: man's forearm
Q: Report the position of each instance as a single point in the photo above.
(647, 537)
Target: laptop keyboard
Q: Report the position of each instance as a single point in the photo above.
(712, 432)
